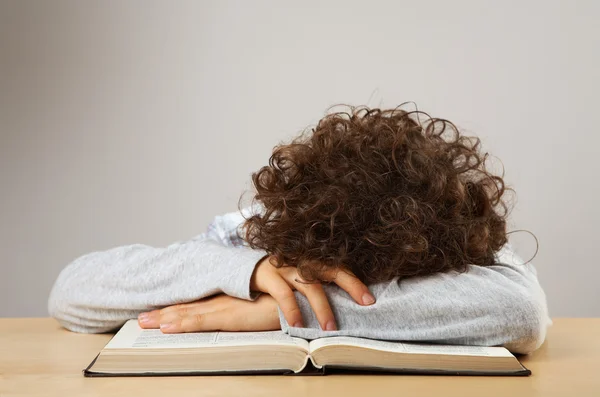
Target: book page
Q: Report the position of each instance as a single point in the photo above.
(410, 348)
(131, 336)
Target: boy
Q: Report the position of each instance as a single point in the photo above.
(369, 196)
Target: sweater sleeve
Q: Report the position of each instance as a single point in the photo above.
(497, 305)
(99, 291)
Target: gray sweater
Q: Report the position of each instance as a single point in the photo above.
(495, 305)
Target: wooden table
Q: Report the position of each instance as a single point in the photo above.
(37, 357)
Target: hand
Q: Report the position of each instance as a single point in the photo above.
(280, 283)
(219, 313)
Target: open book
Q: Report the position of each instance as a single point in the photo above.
(137, 352)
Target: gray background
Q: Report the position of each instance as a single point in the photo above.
(125, 122)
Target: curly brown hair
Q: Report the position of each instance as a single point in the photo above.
(380, 193)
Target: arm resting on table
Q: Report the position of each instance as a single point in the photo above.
(98, 292)
(501, 304)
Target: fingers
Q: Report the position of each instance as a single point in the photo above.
(202, 315)
(219, 313)
(280, 290)
(354, 287)
(149, 320)
(197, 322)
(319, 303)
(154, 318)
(192, 317)
(279, 287)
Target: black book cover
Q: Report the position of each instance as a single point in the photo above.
(311, 370)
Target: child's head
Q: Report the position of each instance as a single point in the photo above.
(380, 193)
